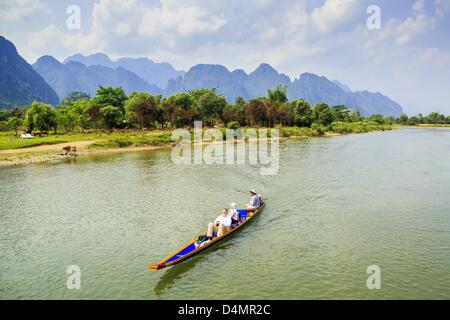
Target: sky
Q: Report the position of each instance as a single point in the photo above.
(407, 58)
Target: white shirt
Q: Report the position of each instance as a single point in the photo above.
(225, 220)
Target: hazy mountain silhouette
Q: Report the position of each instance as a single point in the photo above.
(75, 76)
(19, 83)
(308, 86)
(154, 73)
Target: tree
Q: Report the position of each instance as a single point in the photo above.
(278, 94)
(178, 109)
(160, 112)
(272, 112)
(378, 118)
(340, 113)
(355, 116)
(93, 110)
(389, 120)
(235, 112)
(112, 117)
(197, 94)
(75, 96)
(322, 114)
(303, 113)
(4, 115)
(78, 108)
(403, 119)
(167, 107)
(256, 112)
(233, 125)
(286, 115)
(142, 107)
(110, 96)
(14, 123)
(209, 106)
(40, 116)
(66, 118)
(436, 118)
(413, 121)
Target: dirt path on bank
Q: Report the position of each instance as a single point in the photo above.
(53, 152)
(52, 147)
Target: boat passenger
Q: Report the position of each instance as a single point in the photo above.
(234, 214)
(255, 201)
(220, 226)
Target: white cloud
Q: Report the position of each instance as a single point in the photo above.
(412, 27)
(435, 56)
(123, 29)
(332, 13)
(294, 36)
(19, 10)
(402, 32)
(52, 40)
(419, 6)
(121, 16)
(442, 8)
(183, 20)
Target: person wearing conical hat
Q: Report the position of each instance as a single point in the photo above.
(255, 201)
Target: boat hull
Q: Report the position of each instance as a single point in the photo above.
(190, 249)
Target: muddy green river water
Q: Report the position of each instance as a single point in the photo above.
(336, 206)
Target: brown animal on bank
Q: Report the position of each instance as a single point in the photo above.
(66, 150)
(70, 150)
(41, 133)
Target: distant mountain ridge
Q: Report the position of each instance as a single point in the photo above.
(231, 84)
(315, 89)
(19, 83)
(153, 73)
(75, 76)
(87, 73)
(308, 86)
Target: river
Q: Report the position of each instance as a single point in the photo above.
(337, 206)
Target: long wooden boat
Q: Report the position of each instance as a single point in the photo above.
(192, 247)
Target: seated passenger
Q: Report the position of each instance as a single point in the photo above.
(220, 226)
(235, 218)
(255, 201)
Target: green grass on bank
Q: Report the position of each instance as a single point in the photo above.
(9, 141)
(137, 138)
(134, 139)
(336, 127)
(119, 139)
(431, 126)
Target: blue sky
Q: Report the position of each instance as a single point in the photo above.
(408, 58)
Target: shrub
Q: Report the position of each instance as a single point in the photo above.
(318, 129)
(233, 125)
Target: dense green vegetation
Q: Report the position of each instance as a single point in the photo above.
(111, 109)
(111, 112)
(434, 118)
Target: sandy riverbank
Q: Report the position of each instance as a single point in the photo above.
(54, 152)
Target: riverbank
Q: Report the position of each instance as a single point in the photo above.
(430, 126)
(16, 151)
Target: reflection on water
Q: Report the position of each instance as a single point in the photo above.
(172, 274)
(336, 206)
